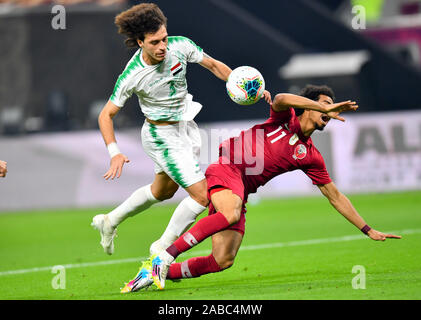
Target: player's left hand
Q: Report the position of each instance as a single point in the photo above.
(267, 97)
(379, 236)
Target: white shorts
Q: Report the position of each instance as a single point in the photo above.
(175, 150)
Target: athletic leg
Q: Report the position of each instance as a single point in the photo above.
(184, 216)
(228, 210)
(162, 188)
(229, 207)
(181, 162)
(225, 245)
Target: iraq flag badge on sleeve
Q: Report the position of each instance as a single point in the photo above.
(176, 69)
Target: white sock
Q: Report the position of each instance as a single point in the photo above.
(139, 201)
(183, 217)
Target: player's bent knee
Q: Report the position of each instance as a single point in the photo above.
(165, 194)
(201, 199)
(225, 262)
(163, 197)
(232, 216)
(198, 192)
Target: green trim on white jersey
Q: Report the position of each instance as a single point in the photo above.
(170, 163)
(130, 68)
(161, 88)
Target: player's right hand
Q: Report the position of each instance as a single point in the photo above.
(116, 166)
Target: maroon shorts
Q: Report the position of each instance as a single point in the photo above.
(224, 176)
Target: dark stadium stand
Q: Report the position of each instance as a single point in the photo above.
(80, 64)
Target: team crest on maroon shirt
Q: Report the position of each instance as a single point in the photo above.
(300, 152)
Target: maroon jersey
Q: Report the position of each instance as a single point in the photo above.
(272, 148)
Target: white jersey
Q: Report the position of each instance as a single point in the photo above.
(161, 88)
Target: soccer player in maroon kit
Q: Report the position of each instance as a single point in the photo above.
(279, 145)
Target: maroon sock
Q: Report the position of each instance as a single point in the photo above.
(194, 267)
(204, 228)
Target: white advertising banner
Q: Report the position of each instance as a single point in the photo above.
(377, 152)
(368, 153)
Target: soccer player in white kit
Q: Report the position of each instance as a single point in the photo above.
(157, 75)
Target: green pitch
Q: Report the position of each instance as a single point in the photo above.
(293, 249)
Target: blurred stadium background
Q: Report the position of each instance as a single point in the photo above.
(53, 84)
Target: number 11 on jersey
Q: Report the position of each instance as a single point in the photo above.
(283, 134)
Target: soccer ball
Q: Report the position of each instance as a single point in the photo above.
(245, 85)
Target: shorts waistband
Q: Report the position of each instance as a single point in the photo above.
(180, 124)
(156, 123)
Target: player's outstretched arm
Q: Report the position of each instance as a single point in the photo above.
(3, 168)
(105, 122)
(283, 101)
(344, 206)
(218, 68)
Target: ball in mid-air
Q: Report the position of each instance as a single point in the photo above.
(245, 85)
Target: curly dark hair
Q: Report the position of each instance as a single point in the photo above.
(139, 20)
(313, 92)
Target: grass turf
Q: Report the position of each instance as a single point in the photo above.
(271, 265)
